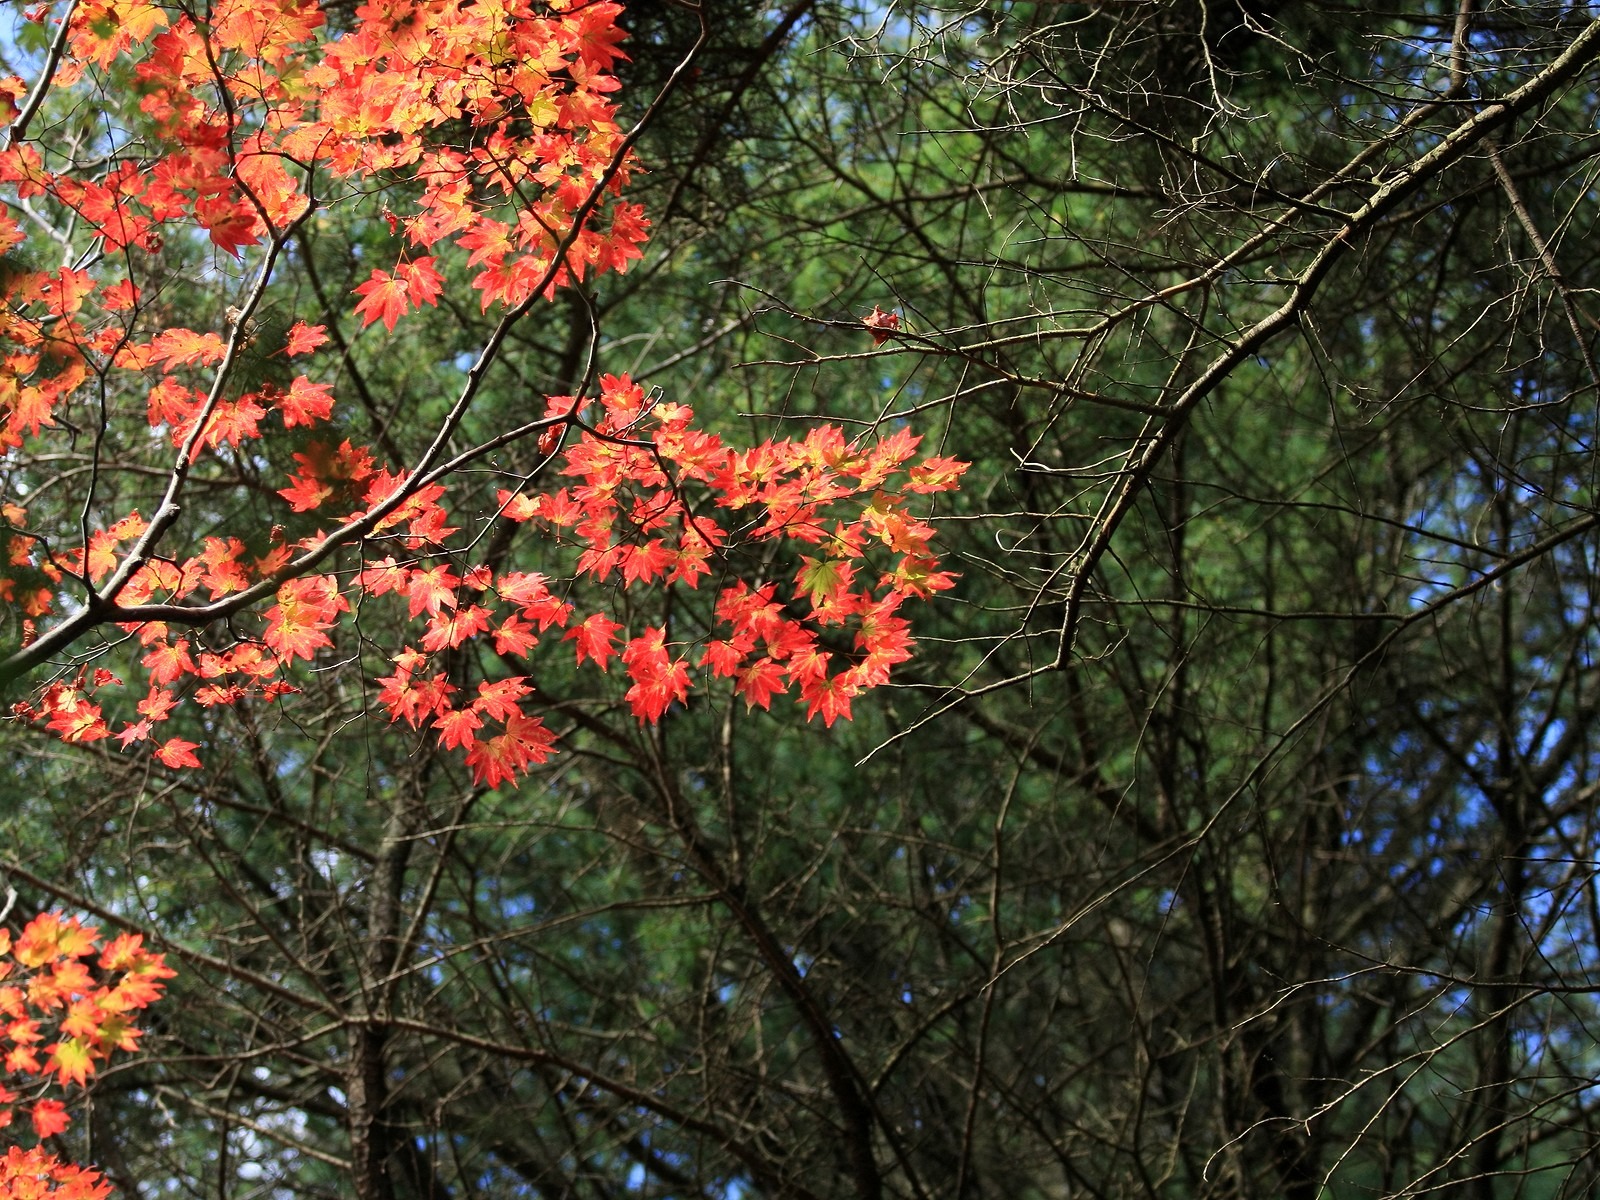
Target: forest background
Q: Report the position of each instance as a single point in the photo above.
(1231, 831)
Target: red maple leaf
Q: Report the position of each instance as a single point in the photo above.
(656, 689)
(458, 728)
(499, 699)
(305, 403)
(594, 637)
(432, 589)
(49, 1117)
(231, 222)
(724, 657)
(136, 732)
(450, 629)
(158, 703)
(382, 577)
(641, 564)
(514, 636)
(829, 696)
(383, 298)
(760, 681)
(303, 338)
(306, 607)
(175, 752)
(292, 638)
(168, 661)
(178, 347)
(423, 282)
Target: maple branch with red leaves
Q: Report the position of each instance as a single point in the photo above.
(524, 193)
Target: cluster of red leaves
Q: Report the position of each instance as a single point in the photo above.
(492, 117)
(655, 502)
(35, 1173)
(650, 501)
(85, 1003)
